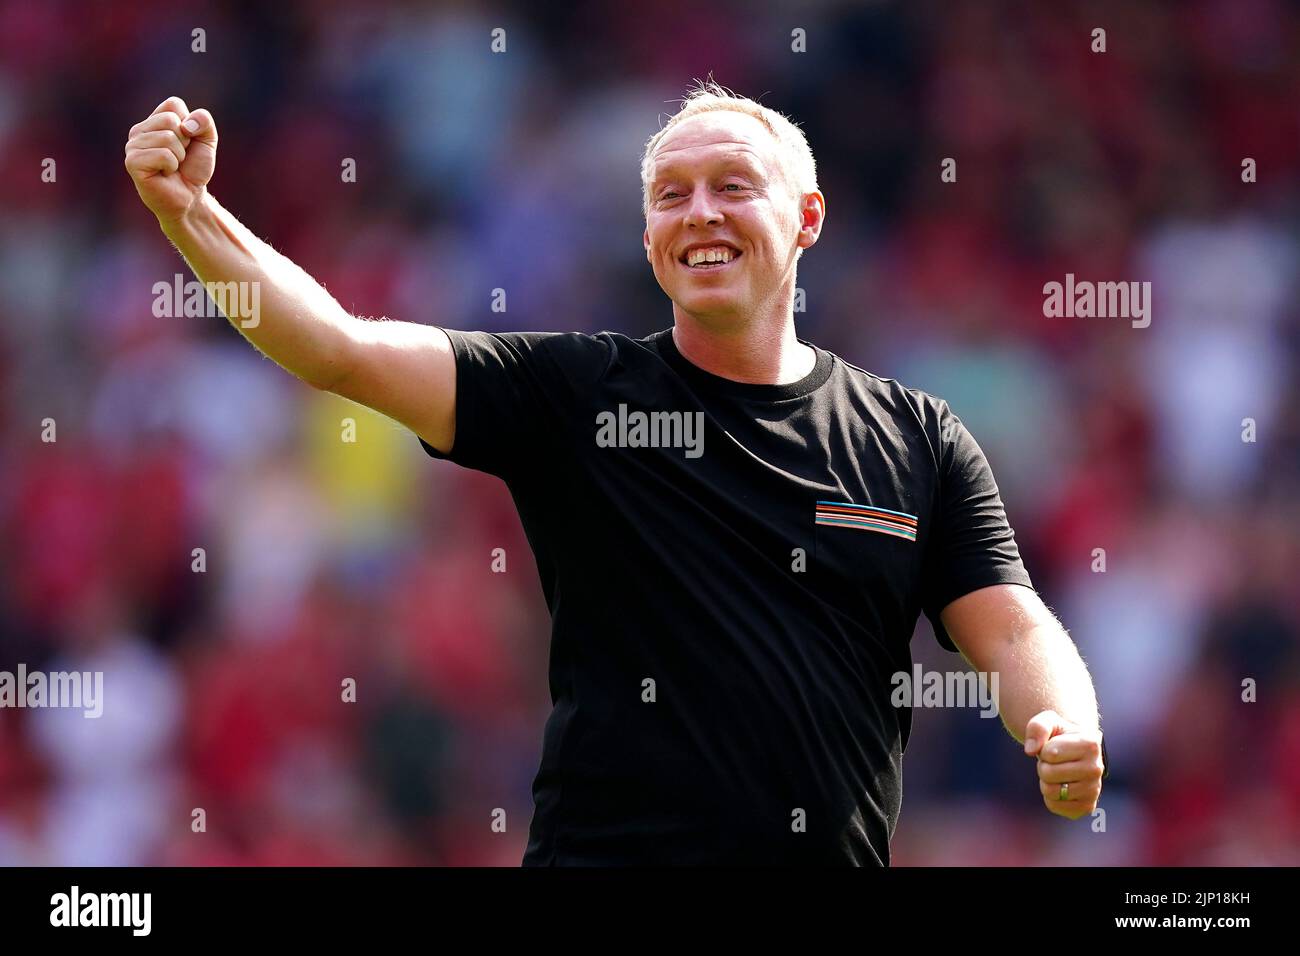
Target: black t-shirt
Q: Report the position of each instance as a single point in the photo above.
(734, 572)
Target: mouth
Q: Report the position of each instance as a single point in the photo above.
(710, 267)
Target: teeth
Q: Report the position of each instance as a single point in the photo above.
(709, 255)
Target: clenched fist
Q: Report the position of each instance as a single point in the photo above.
(171, 156)
(1069, 764)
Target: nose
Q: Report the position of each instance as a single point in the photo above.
(703, 209)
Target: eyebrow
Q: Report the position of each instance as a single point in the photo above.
(669, 167)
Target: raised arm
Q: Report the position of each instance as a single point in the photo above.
(402, 369)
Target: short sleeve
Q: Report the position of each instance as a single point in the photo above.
(518, 394)
(971, 545)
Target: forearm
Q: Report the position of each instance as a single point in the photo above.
(298, 325)
(1040, 669)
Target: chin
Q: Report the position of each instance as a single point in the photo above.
(697, 298)
(697, 302)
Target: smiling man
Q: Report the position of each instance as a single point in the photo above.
(736, 531)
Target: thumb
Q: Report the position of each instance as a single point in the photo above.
(200, 127)
(200, 149)
(1041, 728)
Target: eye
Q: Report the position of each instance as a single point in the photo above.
(737, 185)
(668, 195)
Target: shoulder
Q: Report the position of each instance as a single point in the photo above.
(582, 355)
(923, 421)
(905, 403)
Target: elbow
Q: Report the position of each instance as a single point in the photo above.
(330, 374)
(322, 382)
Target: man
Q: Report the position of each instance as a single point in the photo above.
(736, 531)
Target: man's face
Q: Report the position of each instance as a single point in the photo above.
(717, 180)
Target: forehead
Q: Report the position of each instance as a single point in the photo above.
(707, 137)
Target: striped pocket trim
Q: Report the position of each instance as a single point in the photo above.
(844, 514)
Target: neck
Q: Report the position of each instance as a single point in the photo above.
(761, 351)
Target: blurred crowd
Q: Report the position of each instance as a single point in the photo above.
(201, 534)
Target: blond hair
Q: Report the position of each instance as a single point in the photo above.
(707, 96)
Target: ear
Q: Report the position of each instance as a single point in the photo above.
(645, 241)
(812, 215)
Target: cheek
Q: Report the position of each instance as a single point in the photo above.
(660, 264)
(655, 252)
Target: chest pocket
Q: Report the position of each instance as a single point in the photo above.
(862, 546)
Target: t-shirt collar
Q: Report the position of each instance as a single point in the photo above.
(821, 371)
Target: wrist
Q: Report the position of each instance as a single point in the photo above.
(187, 222)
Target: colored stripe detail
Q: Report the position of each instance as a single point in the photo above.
(844, 514)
